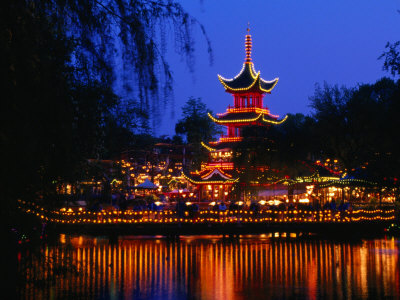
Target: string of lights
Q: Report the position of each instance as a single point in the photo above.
(70, 216)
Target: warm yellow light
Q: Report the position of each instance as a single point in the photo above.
(304, 200)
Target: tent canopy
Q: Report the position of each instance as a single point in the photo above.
(147, 184)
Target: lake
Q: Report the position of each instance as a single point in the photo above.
(211, 267)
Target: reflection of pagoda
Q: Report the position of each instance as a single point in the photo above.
(216, 178)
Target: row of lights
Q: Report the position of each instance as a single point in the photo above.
(261, 115)
(213, 220)
(228, 181)
(208, 216)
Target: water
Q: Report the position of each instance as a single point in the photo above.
(209, 267)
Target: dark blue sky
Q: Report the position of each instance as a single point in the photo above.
(301, 42)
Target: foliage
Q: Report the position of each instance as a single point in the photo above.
(360, 127)
(267, 154)
(329, 111)
(59, 64)
(296, 143)
(125, 41)
(196, 126)
(392, 58)
(255, 151)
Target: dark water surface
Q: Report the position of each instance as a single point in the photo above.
(209, 267)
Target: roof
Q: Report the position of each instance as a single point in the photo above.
(220, 145)
(147, 184)
(248, 80)
(246, 117)
(239, 116)
(215, 176)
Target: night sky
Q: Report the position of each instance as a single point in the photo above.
(301, 42)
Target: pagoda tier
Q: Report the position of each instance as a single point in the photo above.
(211, 175)
(236, 118)
(247, 117)
(248, 80)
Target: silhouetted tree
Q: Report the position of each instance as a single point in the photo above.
(196, 126)
(295, 143)
(59, 63)
(332, 122)
(359, 126)
(392, 58)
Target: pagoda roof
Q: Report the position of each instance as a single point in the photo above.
(248, 80)
(220, 145)
(215, 176)
(224, 145)
(246, 117)
(238, 116)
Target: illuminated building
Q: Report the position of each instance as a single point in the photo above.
(161, 164)
(217, 177)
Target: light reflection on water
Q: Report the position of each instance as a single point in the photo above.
(209, 267)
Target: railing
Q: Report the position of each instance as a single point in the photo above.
(207, 216)
(227, 139)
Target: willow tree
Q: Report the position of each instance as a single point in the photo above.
(69, 68)
(126, 40)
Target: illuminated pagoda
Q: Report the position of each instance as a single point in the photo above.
(216, 178)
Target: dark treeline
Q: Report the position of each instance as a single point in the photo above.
(358, 127)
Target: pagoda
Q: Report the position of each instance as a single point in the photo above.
(216, 178)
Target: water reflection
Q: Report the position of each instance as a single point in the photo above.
(209, 267)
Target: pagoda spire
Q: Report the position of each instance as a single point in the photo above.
(247, 44)
(248, 80)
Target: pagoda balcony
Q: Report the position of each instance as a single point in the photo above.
(258, 110)
(227, 139)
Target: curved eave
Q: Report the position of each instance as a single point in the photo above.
(218, 171)
(235, 121)
(261, 117)
(228, 88)
(251, 80)
(231, 181)
(220, 145)
(277, 122)
(267, 86)
(208, 147)
(348, 182)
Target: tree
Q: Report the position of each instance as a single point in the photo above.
(332, 123)
(359, 127)
(253, 157)
(392, 58)
(58, 66)
(295, 144)
(124, 40)
(196, 126)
